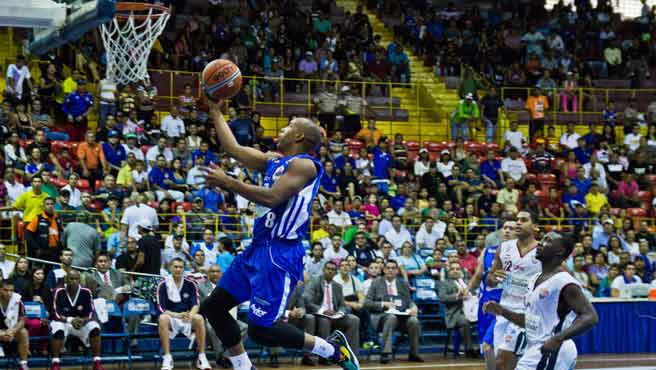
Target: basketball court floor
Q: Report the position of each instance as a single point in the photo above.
(590, 362)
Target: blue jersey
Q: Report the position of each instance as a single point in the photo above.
(290, 220)
(489, 254)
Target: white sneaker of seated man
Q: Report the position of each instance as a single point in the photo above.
(201, 362)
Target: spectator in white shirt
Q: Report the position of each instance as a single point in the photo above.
(6, 265)
(398, 234)
(373, 273)
(160, 148)
(173, 125)
(632, 140)
(386, 223)
(445, 164)
(131, 147)
(76, 195)
(570, 138)
(195, 177)
(18, 75)
(513, 166)
(338, 217)
(336, 251)
(514, 136)
(429, 233)
(629, 277)
(600, 172)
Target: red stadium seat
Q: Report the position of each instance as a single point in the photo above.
(58, 182)
(83, 185)
(356, 144)
(645, 197)
(615, 211)
(493, 146)
(187, 206)
(636, 212)
(99, 184)
(58, 146)
(547, 179)
(652, 180)
(154, 204)
(531, 178)
(543, 195)
(412, 145)
(24, 143)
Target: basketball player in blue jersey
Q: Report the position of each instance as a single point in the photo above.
(266, 273)
(485, 294)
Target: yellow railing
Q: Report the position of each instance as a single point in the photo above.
(282, 97)
(467, 229)
(590, 101)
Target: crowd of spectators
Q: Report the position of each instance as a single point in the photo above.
(393, 218)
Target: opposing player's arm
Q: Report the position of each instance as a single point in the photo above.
(586, 315)
(299, 172)
(496, 273)
(478, 274)
(251, 157)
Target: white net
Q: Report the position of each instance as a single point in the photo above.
(128, 41)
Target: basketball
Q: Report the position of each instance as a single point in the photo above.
(221, 79)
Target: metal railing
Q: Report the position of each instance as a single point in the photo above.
(467, 229)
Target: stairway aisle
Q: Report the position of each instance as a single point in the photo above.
(438, 97)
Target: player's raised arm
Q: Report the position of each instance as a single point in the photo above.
(252, 158)
(297, 176)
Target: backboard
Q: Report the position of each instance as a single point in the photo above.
(55, 22)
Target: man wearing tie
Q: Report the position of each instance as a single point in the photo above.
(324, 299)
(105, 282)
(391, 307)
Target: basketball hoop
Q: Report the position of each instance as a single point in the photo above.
(128, 39)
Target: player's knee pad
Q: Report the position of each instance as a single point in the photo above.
(59, 334)
(280, 334)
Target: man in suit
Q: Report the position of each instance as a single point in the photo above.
(104, 281)
(324, 299)
(391, 293)
(205, 288)
(453, 290)
(296, 315)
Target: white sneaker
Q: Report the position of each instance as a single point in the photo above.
(167, 363)
(203, 364)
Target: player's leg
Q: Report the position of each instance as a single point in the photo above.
(271, 287)
(164, 330)
(198, 326)
(23, 341)
(487, 344)
(505, 341)
(57, 337)
(96, 344)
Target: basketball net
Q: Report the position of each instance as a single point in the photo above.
(128, 39)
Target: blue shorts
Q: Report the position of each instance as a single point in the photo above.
(265, 275)
(486, 321)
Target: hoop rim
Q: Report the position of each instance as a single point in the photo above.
(124, 10)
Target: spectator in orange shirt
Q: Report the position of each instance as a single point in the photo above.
(92, 159)
(536, 104)
(370, 135)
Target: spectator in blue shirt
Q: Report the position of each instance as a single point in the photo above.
(204, 150)
(76, 107)
(491, 170)
(382, 162)
(571, 195)
(581, 182)
(210, 197)
(243, 128)
(161, 178)
(610, 115)
(398, 200)
(329, 181)
(114, 152)
(582, 151)
(342, 158)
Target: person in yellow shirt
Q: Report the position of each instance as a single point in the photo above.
(536, 104)
(30, 202)
(595, 200)
(69, 85)
(509, 196)
(124, 177)
(321, 233)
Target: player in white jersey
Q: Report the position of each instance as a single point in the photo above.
(555, 311)
(514, 266)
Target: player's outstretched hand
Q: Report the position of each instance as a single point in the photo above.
(551, 345)
(213, 176)
(492, 307)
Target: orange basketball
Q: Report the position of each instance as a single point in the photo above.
(221, 79)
